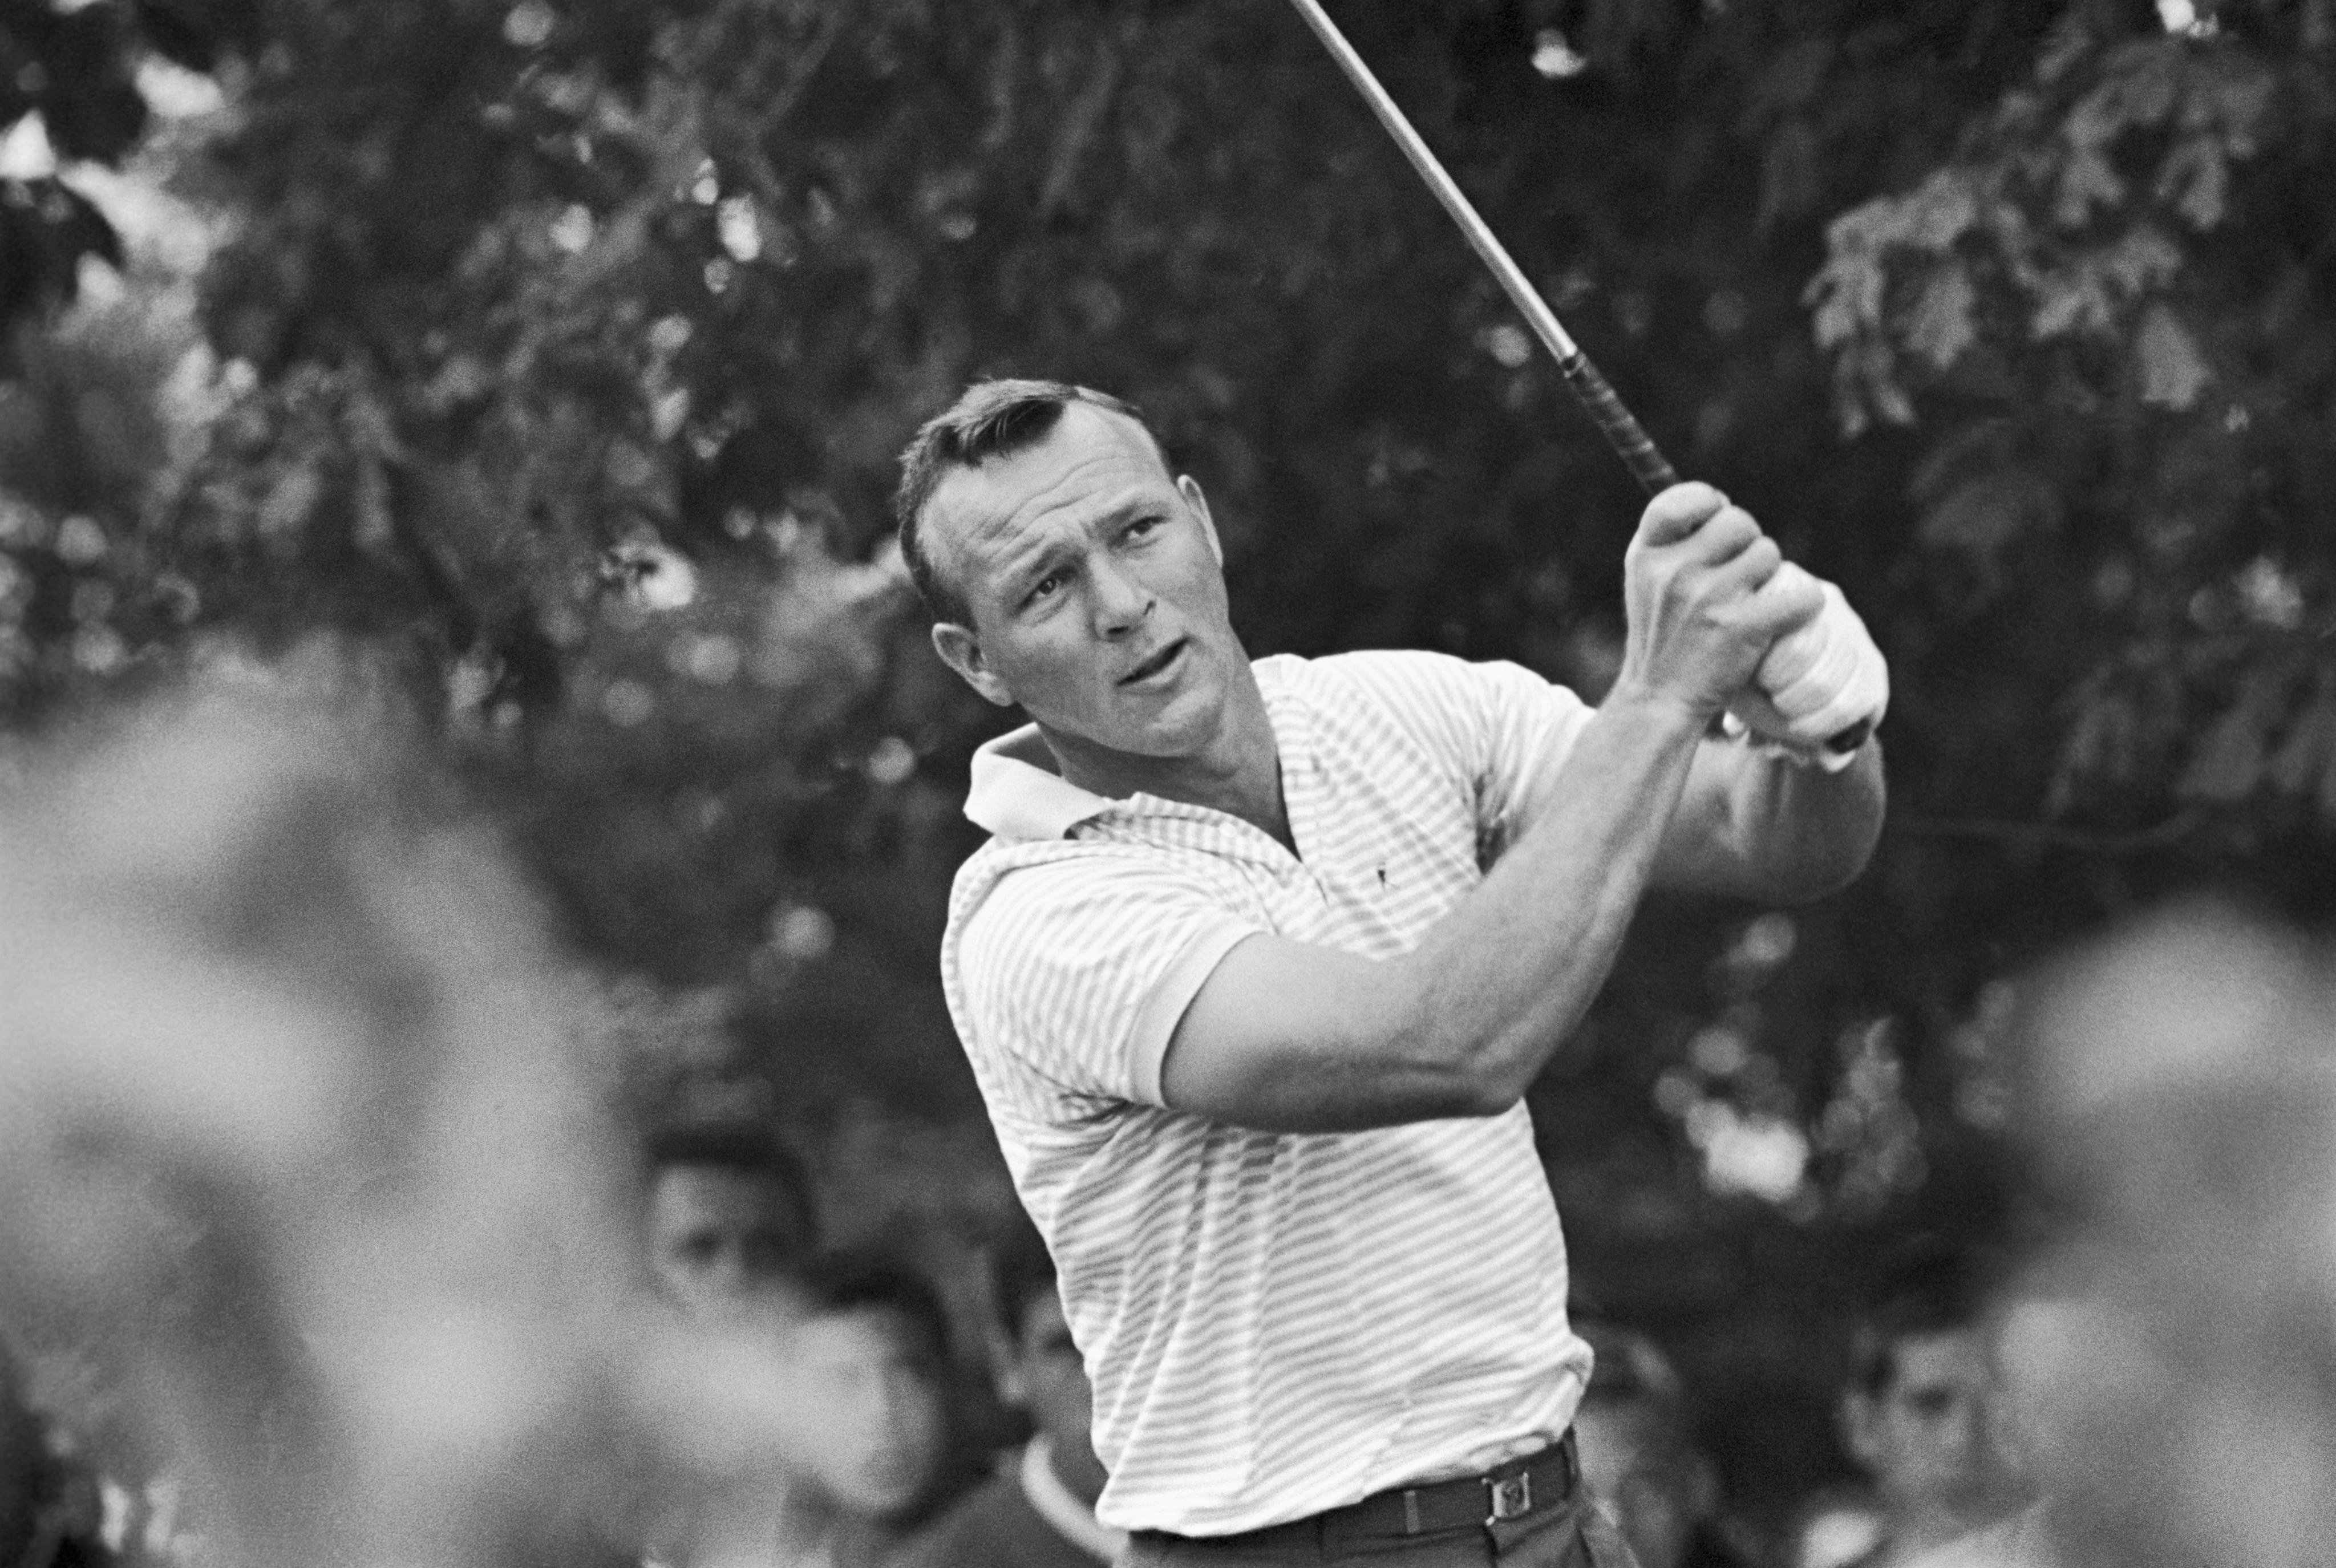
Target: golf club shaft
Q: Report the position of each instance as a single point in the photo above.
(1622, 431)
(1605, 406)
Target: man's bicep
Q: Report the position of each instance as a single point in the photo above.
(1290, 1038)
(1078, 971)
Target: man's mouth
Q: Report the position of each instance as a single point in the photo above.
(1155, 665)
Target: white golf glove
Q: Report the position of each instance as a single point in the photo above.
(1817, 683)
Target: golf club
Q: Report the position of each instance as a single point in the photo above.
(1606, 409)
(1622, 429)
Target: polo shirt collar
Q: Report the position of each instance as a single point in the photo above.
(1018, 795)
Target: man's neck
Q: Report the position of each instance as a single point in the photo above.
(1238, 772)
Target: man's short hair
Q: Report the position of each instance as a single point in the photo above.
(1021, 1269)
(1929, 1287)
(990, 419)
(749, 1150)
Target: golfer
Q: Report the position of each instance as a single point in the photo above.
(1261, 956)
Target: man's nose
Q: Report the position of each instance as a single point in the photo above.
(1121, 603)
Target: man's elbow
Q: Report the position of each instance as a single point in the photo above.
(1826, 861)
(1438, 1066)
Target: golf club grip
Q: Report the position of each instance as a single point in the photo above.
(1631, 442)
(1644, 459)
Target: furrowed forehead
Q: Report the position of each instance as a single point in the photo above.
(1088, 446)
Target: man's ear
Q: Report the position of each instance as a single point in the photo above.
(961, 651)
(1190, 488)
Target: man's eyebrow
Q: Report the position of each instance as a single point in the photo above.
(1036, 562)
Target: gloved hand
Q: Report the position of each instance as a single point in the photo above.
(1819, 683)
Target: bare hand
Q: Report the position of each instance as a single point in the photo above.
(1705, 601)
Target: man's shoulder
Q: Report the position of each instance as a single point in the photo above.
(1412, 687)
(1091, 866)
(992, 1526)
(1369, 671)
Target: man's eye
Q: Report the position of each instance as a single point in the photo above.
(1045, 587)
(1141, 526)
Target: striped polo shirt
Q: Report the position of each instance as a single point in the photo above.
(1275, 1323)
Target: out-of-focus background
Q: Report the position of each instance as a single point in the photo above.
(453, 417)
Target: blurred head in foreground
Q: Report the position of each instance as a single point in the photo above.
(2170, 1356)
(302, 1144)
(729, 1214)
(1918, 1411)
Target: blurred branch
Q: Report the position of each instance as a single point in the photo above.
(1086, 112)
(2052, 835)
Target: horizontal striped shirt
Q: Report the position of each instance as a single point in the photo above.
(1275, 1324)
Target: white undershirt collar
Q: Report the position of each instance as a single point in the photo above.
(1016, 793)
(1073, 1520)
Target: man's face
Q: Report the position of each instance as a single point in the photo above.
(1925, 1433)
(717, 1232)
(879, 1399)
(1095, 588)
(1637, 1468)
(1043, 1375)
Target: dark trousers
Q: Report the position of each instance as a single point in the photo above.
(1572, 1532)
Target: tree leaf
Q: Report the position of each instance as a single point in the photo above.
(2303, 756)
(2195, 178)
(2229, 761)
(1788, 172)
(2173, 371)
(1941, 325)
(291, 499)
(2086, 181)
(1793, 78)
(1986, 515)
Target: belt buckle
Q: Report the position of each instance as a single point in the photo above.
(1511, 1497)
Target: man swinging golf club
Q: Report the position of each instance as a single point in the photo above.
(1261, 957)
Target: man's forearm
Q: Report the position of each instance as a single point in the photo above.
(1808, 832)
(1753, 823)
(1513, 968)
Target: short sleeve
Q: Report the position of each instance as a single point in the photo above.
(1495, 728)
(1528, 727)
(1080, 968)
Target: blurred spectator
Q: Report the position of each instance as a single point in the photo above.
(729, 1214)
(1917, 1414)
(1640, 1457)
(866, 1345)
(2169, 1354)
(1038, 1510)
(875, 1350)
(302, 1143)
(47, 1518)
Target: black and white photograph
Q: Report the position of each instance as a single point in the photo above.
(1167, 783)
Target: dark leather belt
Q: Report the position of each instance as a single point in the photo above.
(1519, 1489)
